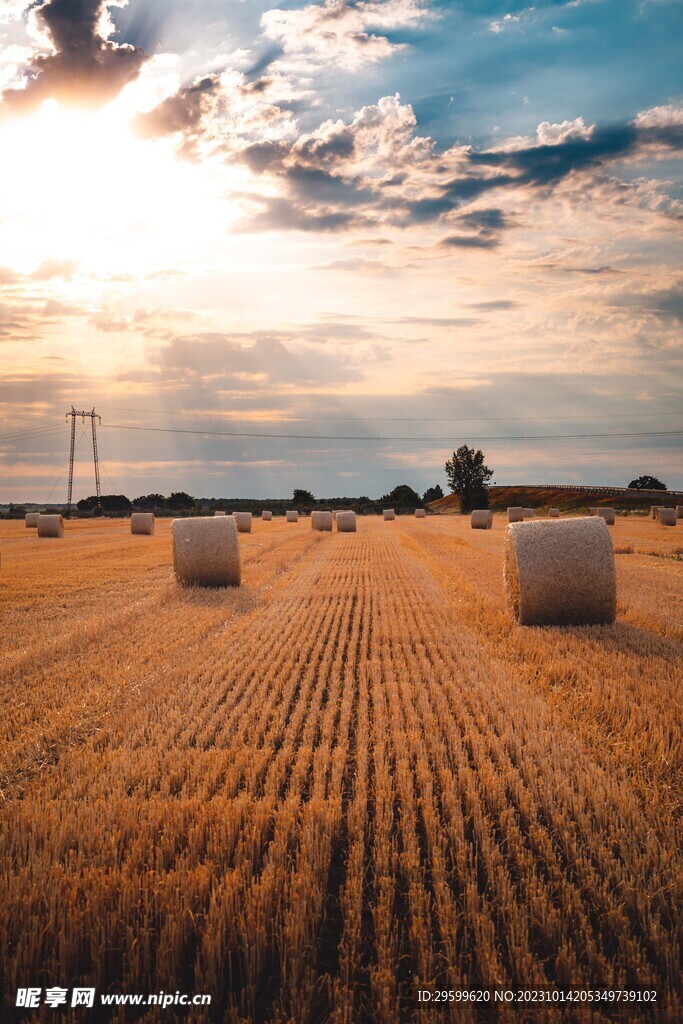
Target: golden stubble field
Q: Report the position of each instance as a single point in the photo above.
(348, 780)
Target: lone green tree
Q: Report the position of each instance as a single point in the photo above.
(303, 499)
(467, 476)
(647, 483)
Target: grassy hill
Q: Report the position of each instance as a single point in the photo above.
(566, 500)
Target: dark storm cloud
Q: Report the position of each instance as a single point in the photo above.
(548, 164)
(283, 214)
(666, 303)
(86, 69)
(182, 112)
(470, 242)
(485, 220)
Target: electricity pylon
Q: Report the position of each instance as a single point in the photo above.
(92, 416)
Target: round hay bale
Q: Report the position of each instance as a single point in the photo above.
(420, 513)
(142, 523)
(679, 511)
(388, 514)
(266, 516)
(322, 521)
(515, 514)
(593, 510)
(31, 519)
(482, 519)
(292, 516)
(529, 513)
(560, 573)
(609, 515)
(667, 516)
(220, 512)
(50, 526)
(554, 513)
(346, 521)
(653, 511)
(659, 509)
(242, 521)
(206, 551)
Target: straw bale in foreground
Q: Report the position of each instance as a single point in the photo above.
(142, 523)
(50, 526)
(31, 519)
(322, 521)
(482, 519)
(560, 573)
(206, 551)
(346, 521)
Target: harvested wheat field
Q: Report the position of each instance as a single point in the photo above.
(351, 781)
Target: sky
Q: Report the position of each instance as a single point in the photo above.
(321, 245)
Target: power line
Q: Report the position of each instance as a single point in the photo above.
(357, 437)
(29, 435)
(417, 419)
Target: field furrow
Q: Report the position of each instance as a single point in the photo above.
(352, 779)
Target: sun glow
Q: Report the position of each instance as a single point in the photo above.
(80, 186)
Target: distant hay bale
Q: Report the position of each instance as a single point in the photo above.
(321, 521)
(529, 513)
(482, 519)
(554, 513)
(420, 513)
(515, 514)
(667, 516)
(593, 510)
(242, 521)
(50, 526)
(206, 551)
(346, 521)
(608, 514)
(292, 516)
(679, 511)
(389, 514)
(337, 512)
(659, 509)
(653, 511)
(560, 573)
(142, 523)
(266, 516)
(31, 519)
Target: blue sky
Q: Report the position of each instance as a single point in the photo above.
(439, 221)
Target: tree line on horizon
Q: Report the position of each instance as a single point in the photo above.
(467, 474)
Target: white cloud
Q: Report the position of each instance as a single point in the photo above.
(339, 31)
(658, 117)
(549, 134)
